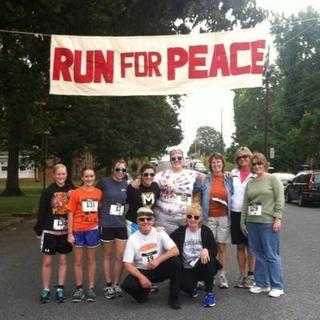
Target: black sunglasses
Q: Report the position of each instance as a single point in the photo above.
(148, 219)
(176, 159)
(147, 174)
(257, 163)
(120, 170)
(243, 157)
(189, 216)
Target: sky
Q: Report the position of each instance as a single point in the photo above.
(205, 108)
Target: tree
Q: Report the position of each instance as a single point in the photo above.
(27, 109)
(207, 141)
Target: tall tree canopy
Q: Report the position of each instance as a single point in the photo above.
(108, 126)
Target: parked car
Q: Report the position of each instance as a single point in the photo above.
(284, 177)
(154, 162)
(304, 188)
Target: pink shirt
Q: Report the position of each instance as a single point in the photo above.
(244, 174)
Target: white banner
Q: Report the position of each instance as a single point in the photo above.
(156, 65)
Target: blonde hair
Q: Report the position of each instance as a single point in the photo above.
(259, 157)
(196, 210)
(242, 151)
(59, 166)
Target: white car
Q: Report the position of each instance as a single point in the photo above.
(284, 177)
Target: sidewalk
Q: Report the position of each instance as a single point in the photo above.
(9, 221)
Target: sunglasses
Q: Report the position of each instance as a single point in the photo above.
(243, 157)
(146, 174)
(176, 159)
(257, 163)
(190, 216)
(124, 170)
(148, 219)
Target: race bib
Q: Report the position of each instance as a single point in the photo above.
(89, 205)
(184, 199)
(255, 210)
(149, 256)
(117, 209)
(60, 224)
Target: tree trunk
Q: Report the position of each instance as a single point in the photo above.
(12, 182)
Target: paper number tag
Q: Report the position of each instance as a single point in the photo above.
(116, 209)
(60, 224)
(89, 206)
(255, 210)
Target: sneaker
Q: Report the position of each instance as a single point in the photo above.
(154, 288)
(223, 282)
(60, 295)
(209, 300)
(249, 282)
(256, 289)
(195, 293)
(117, 291)
(200, 285)
(109, 292)
(276, 293)
(78, 295)
(91, 296)
(174, 304)
(45, 296)
(240, 282)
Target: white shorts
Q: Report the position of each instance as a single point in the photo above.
(220, 228)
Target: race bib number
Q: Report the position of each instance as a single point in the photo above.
(149, 256)
(89, 205)
(117, 209)
(184, 199)
(60, 224)
(255, 210)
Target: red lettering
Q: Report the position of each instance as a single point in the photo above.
(78, 76)
(219, 61)
(154, 59)
(103, 67)
(138, 71)
(234, 48)
(195, 61)
(62, 61)
(257, 56)
(177, 57)
(124, 64)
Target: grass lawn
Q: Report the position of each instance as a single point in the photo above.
(25, 204)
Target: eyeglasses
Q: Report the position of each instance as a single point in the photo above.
(190, 216)
(124, 170)
(147, 174)
(245, 156)
(176, 159)
(259, 163)
(148, 219)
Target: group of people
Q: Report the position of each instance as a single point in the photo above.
(175, 224)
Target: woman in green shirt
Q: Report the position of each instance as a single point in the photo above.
(261, 219)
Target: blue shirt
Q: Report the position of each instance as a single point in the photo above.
(113, 200)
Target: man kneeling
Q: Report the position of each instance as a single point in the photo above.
(150, 257)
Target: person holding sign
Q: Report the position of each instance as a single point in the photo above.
(198, 251)
(261, 220)
(215, 201)
(176, 188)
(52, 227)
(150, 257)
(113, 226)
(83, 232)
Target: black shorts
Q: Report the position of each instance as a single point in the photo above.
(110, 234)
(53, 243)
(237, 237)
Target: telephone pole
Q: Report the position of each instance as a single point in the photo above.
(267, 108)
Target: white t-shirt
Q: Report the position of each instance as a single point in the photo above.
(141, 249)
(238, 190)
(192, 248)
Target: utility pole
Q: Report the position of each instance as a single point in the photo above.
(221, 131)
(267, 108)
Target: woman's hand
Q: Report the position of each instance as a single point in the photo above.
(71, 238)
(204, 256)
(276, 225)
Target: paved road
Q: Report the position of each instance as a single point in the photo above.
(20, 283)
